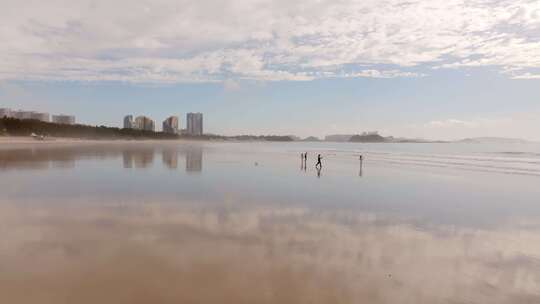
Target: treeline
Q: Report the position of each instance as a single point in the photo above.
(17, 127)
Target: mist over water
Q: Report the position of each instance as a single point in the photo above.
(169, 222)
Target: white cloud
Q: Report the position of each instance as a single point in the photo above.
(168, 41)
(450, 123)
(384, 74)
(526, 76)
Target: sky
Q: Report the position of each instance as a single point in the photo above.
(435, 69)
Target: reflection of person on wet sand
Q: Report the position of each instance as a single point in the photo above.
(361, 165)
(319, 171)
(319, 163)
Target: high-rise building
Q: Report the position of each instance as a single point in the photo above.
(20, 114)
(144, 123)
(128, 122)
(5, 112)
(170, 125)
(195, 124)
(64, 119)
(41, 116)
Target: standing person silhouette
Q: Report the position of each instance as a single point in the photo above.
(319, 163)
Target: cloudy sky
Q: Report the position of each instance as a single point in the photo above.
(417, 68)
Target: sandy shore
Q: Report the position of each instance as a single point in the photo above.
(28, 139)
(11, 141)
(7, 142)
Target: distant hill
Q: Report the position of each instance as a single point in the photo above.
(338, 137)
(311, 138)
(368, 138)
(493, 140)
(374, 137)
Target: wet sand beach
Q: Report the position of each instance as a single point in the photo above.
(173, 222)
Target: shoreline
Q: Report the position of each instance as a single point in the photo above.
(29, 139)
(62, 140)
(10, 141)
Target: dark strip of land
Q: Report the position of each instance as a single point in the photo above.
(26, 127)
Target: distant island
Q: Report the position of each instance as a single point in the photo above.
(493, 140)
(368, 138)
(338, 137)
(374, 137)
(311, 138)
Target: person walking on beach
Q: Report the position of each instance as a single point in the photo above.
(319, 163)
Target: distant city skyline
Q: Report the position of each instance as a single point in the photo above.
(171, 125)
(398, 112)
(417, 69)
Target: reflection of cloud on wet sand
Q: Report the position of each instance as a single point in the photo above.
(159, 253)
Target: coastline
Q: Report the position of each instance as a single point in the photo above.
(22, 141)
(29, 139)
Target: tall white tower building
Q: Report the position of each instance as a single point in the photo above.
(195, 124)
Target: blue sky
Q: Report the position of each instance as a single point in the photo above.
(433, 69)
